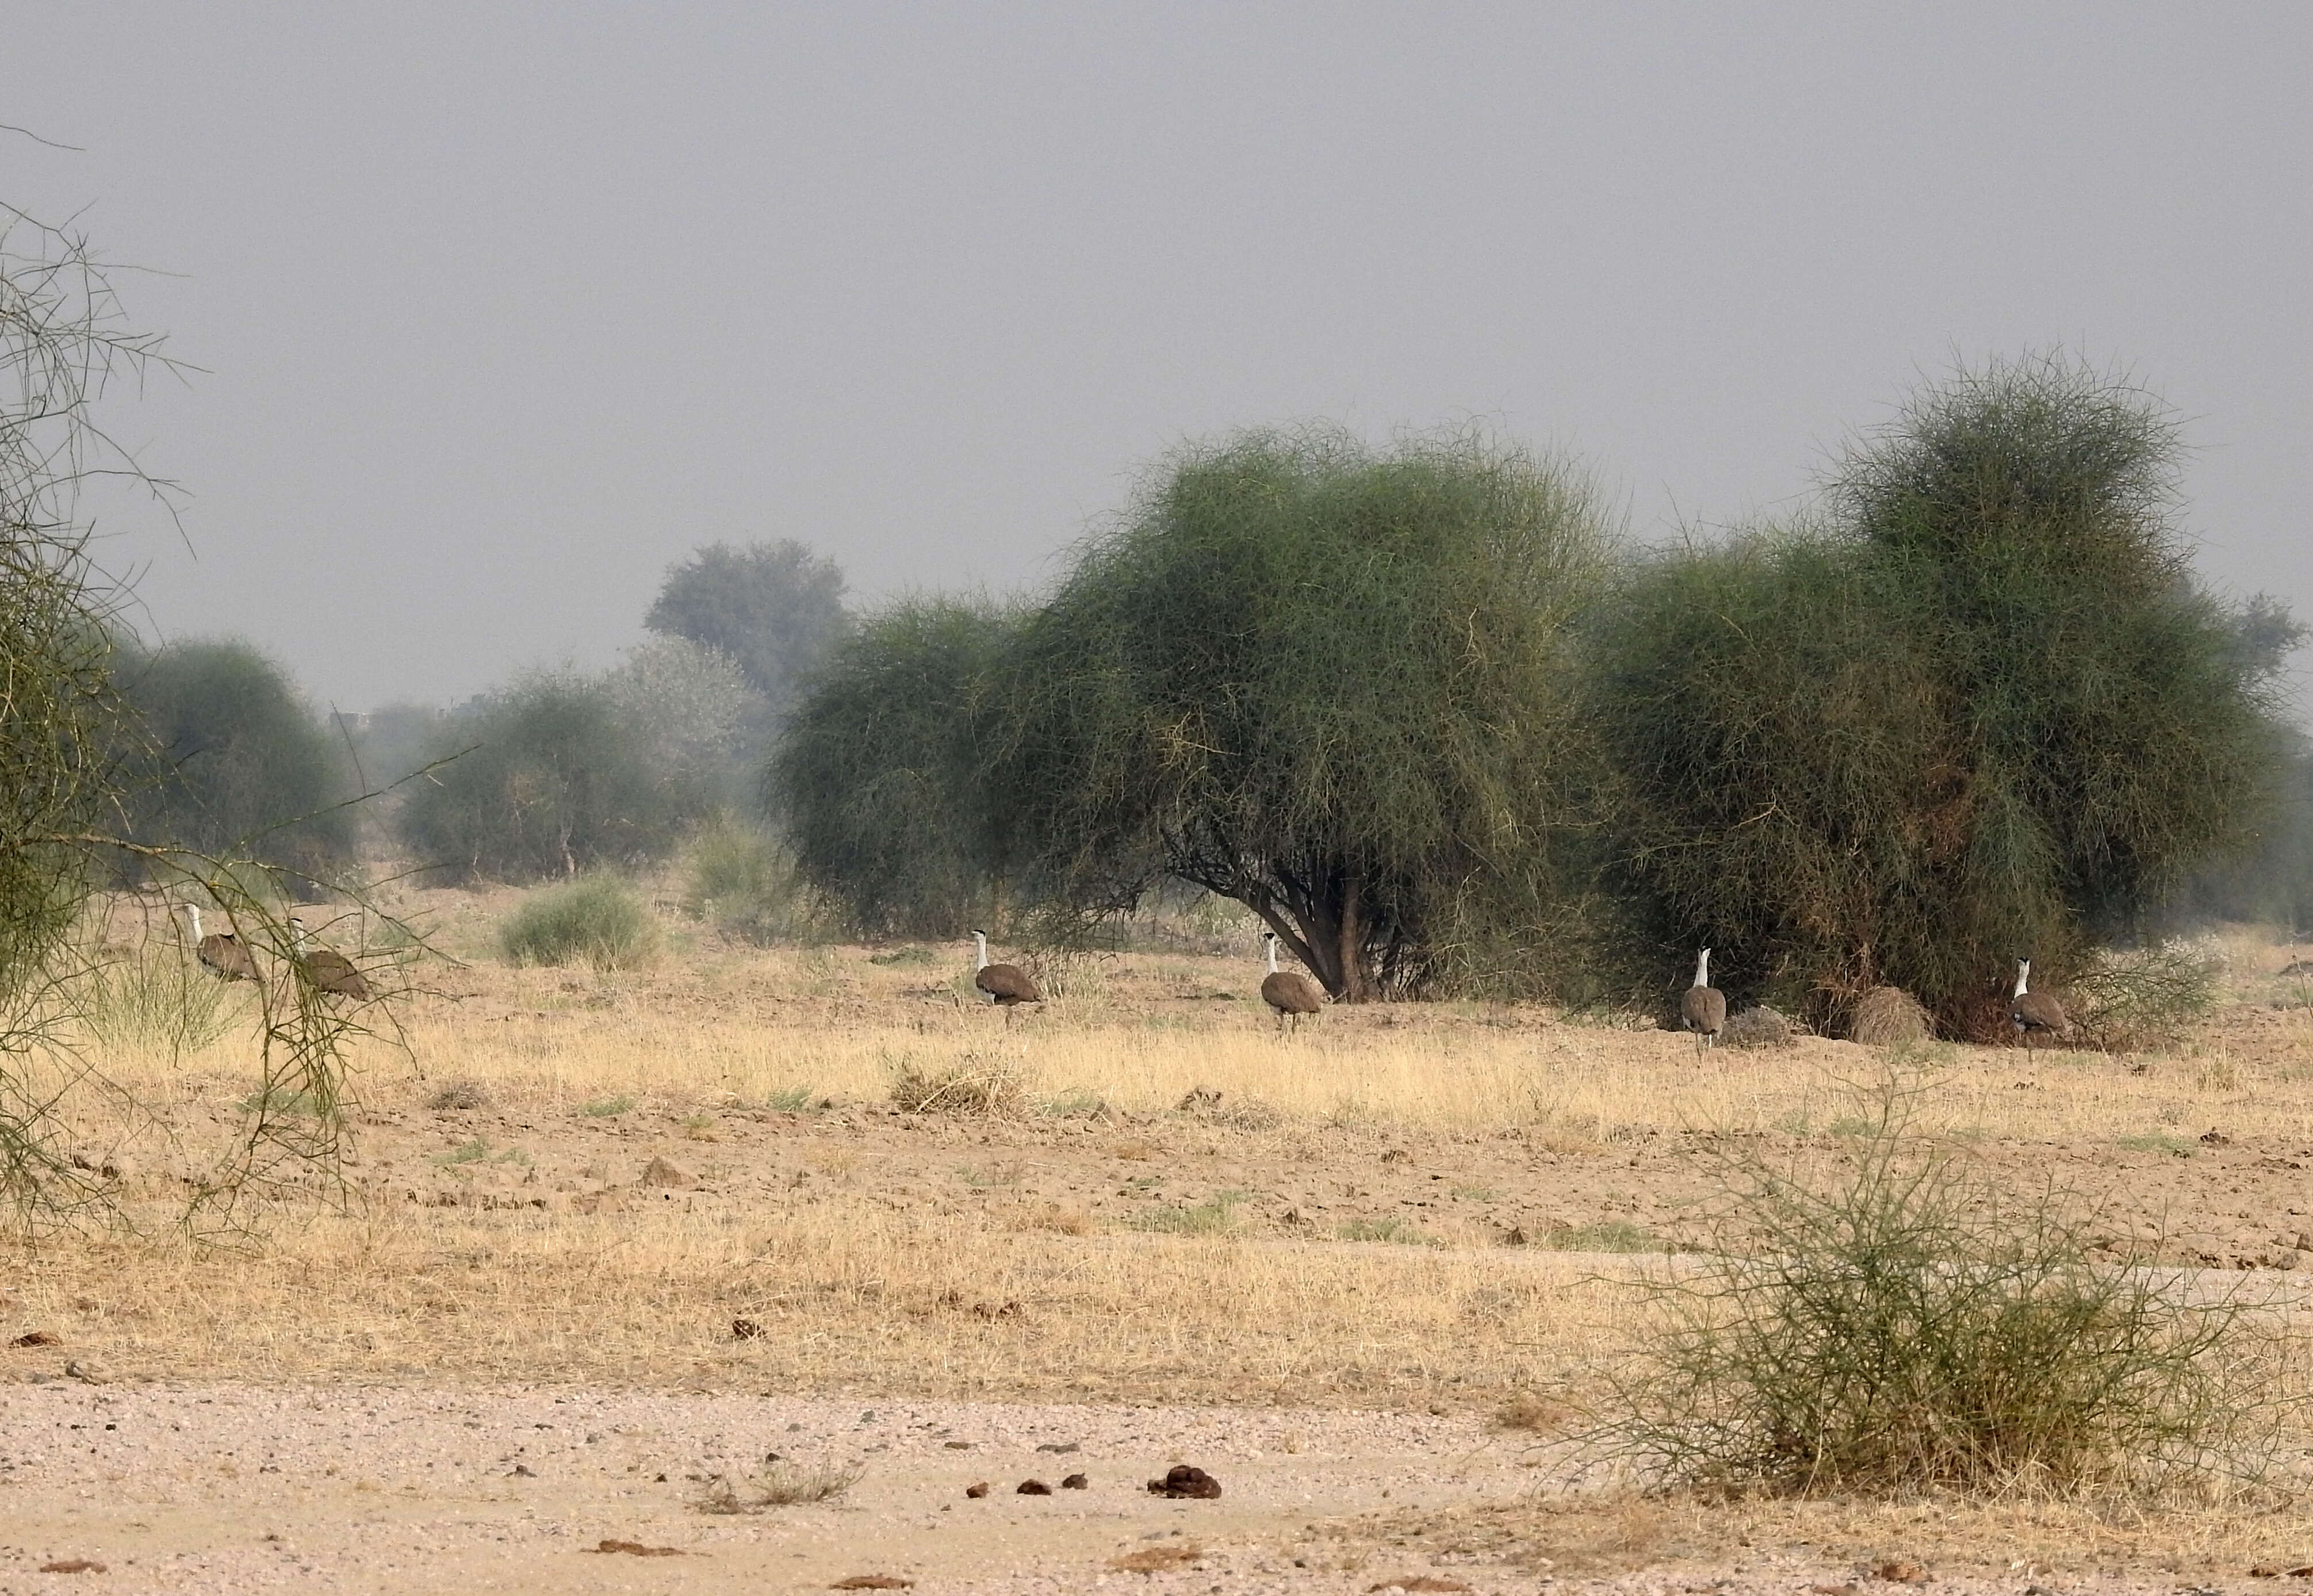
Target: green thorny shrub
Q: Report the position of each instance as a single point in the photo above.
(743, 882)
(72, 755)
(1912, 1322)
(1976, 709)
(596, 919)
(1334, 684)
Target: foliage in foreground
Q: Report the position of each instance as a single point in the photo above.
(596, 919)
(1913, 1324)
(72, 759)
(1980, 710)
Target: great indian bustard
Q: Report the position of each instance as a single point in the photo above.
(327, 968)
(222, 955)
(1704, 1008)
(1289, 993)
(1008, 986)
(2035, 1013)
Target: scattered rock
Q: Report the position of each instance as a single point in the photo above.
(745, 1329)
(1033, 1487)
(1183, 1480)
(661, 1172)
(1419, 1581)
(873, 1581)
(1515, 1235)
(1156, 1559)
(2213, 1137)
(1200, 1100)
(1850, 1589)
(1899, 1571)
(91, 1372)
(1756, 1028)
(39, 1339)
(635, 1549)
(957, 1446)
(522, 1471)
(72, 1565)
(995, 1310)
(976, 1490)
(1075, 1482)
(1060, 1446)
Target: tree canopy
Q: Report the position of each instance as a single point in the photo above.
(1978, 711)
(879, 783)
(774, 608)
(1335, 684)
(234, 761)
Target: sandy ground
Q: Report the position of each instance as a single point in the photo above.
(199, 1489)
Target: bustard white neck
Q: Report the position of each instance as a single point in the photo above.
(2023, 976)
(1273, 953)
(1702, 969)
(193, 912)
(979, 941)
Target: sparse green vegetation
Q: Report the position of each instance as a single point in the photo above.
(607, 1107)
(1905, 1323)
(596, 919)
(1211, 1217)
(1390, 1228)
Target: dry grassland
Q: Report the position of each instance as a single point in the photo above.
(1177, 1204)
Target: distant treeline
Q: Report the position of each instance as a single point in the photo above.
(559, 772)
(1424, 713)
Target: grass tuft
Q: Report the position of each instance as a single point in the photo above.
(968, 1085)
(775, 1485)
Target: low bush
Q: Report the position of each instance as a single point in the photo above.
(742, 882)
(151, 1005)
(1912, 1324)
(2141, 997)
(968, 1085)
(596, 919)
(1888, 1016)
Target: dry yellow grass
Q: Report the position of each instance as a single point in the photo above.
(869, 1281)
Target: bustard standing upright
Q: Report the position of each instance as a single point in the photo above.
(1008, 986)
(2035, 1013)
(325, 967)
(1289, 993)
(1704, 1008)
(220, 954)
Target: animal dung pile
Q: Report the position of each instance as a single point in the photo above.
(1183, 1480)
(1033, 1487)
(1757, 1027)
(1889, 1017)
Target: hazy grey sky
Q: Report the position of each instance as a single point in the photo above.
(506, 307)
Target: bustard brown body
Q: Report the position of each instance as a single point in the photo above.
(1289, 993)
(328, 969)
(1704, 1008)
(2035, 1013)
(223, 956)
(1008, 986)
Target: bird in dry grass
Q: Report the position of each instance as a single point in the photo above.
(2035, 1013)
(328, 969)
(1289, 993)
(1008, 986)
(1704, 1008)
(221, 955)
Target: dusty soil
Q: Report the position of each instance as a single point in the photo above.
(200, 1489)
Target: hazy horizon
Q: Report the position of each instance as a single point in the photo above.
(502, 310)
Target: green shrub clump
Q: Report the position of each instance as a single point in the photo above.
(596, 919)
(1915, 1325)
